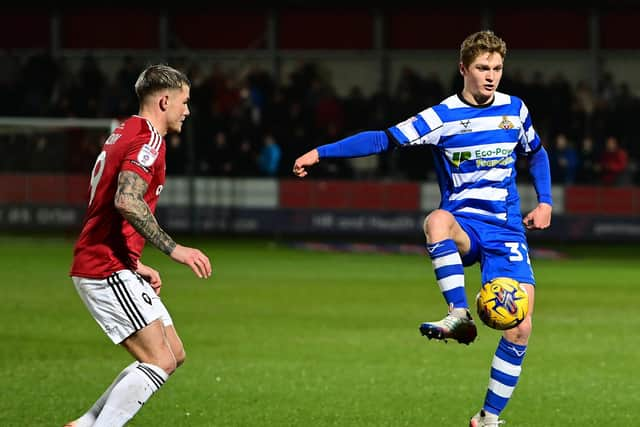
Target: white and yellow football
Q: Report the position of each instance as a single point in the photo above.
(502, 303)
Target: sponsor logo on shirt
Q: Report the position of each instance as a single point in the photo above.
(484, 163)
(465, 124)
(459, 157)
(497, 152)
(146, 169)
(147, 155)
(504, 155)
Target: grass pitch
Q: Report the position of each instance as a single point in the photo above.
(283, 337)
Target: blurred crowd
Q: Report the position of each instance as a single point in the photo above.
(245, 123)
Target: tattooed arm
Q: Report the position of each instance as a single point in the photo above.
(130, 203)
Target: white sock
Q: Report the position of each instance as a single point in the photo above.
(90, 416)
(129, 394)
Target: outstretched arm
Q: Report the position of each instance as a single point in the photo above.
(129, 201)
(540, 217)
(358, 145)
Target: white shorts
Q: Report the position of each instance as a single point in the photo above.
(122, 304)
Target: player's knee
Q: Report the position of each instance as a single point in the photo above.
(181, 356)
(171, 366)
(521, 333)
(167, 361)
(437, 221)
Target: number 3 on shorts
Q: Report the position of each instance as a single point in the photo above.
(516, 249)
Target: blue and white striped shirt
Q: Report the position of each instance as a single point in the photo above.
(475, 151)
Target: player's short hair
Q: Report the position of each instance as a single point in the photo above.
(159, 77)
(477, 43)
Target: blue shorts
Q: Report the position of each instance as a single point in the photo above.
(501, 251)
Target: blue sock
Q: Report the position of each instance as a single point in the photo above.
(449, 271)
(505, 371)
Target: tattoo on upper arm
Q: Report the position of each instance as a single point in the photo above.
(129, 201)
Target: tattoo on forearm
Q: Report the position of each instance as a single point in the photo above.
(129, 201)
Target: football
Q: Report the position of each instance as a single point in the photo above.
(502, 303)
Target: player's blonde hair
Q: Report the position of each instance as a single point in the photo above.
(477, 43)
(159, 77)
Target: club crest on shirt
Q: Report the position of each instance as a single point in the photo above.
(505, 123)
(147, 155)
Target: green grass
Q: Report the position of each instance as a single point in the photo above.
(282, 337)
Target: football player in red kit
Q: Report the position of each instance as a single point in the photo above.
(121, 292)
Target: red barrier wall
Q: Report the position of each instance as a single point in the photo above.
(44, 189)
(602, 200)
(313, 194)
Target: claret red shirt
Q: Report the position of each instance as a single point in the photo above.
(107, 242)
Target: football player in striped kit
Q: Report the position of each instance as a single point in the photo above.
(476, 137)
(121, 292)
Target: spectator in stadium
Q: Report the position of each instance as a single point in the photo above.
(244, 158)
(476, 136)
(564, 161)
(588, 169)
(584, 107)
(219, 160)
(122, 293)
(269, 156)
(614, 163)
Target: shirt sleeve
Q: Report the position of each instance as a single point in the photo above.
(423, 128)
(142, 153)
(541, 174)
(529, 140)
(358, 145)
